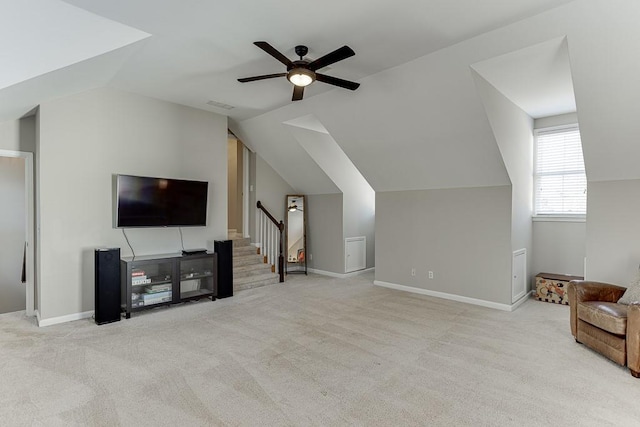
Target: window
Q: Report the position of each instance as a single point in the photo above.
(560, 180)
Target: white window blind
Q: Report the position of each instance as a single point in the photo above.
(560, 179)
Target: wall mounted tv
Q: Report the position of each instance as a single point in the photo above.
(160, 202)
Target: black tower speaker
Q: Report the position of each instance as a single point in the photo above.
(107, 304)
(224, 249)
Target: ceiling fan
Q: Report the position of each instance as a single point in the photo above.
(294, 207)
(303, 71)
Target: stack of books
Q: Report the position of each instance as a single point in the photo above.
(156, 294)
(155, 298)
(139, 277)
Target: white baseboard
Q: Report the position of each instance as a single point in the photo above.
(521, 301)
(452, 297)
(340, 275)
(63, 319)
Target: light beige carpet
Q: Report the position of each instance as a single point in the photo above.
(313, 351)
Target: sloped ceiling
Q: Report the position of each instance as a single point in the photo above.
(199, 48)
(415, 123)
(537, 79)
(40, 37)
(421, 125)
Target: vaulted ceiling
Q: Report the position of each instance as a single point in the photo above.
(415, 122)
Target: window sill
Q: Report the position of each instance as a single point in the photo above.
(559, 218)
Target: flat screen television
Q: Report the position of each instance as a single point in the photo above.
(160, 202)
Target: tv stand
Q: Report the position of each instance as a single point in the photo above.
(163, 280)
(194, 251)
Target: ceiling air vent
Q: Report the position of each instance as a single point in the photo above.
(220, 105)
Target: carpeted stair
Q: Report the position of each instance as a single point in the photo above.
(249, 268)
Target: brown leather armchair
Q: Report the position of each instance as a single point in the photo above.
(600, 323)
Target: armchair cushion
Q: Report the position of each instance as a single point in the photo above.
(609, 316)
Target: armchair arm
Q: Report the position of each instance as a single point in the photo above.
(584, 290)
(633, 338)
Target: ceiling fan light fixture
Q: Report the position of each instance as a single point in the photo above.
(301, 76)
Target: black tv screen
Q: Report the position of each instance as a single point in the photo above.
(160, 202)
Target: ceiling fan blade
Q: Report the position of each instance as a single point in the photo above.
(274, 52)
(330, 58)
(266, 76)
(298, 91)
(337, 82)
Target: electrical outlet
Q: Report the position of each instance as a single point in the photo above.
(431, 275)
(413, 271)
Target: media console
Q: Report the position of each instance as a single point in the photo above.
(161, 280)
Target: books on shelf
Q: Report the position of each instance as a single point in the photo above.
(158, 288)
(155, 298)
(135, 281)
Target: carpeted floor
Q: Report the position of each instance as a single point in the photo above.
(313, 351)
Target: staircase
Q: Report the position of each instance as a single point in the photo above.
(249, 269)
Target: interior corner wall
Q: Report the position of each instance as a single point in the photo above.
(513, 131)
(613, 231)
(85, 139)
(232, 182)
(271, 189)
(359, 219)
(358, 198)
(239, 187)
(325, 242)
(252, 197)
(463, 235)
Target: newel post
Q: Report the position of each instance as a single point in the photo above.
(281, 257)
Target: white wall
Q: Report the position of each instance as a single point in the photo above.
(358, 197)
(232, 180)
(252, 197)
(86, 138)
(559, 247)
(325, 247)
(513, 130)
(463, 235)
(12, 234)
(613, 231)
(405, 133)
(562, 119)
(271, 189)
(10, 135)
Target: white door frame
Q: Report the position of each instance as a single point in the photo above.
(245, 190)
(30, 223)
